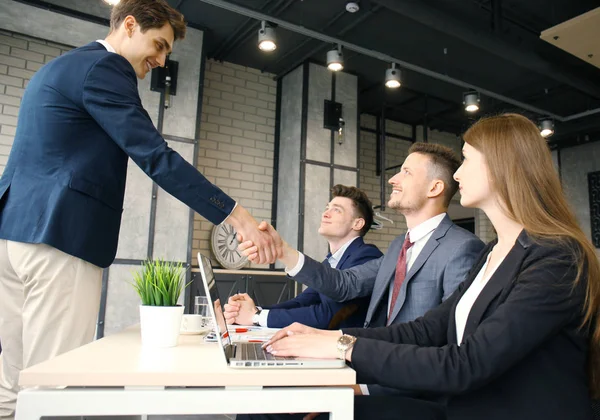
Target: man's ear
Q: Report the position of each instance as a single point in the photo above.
(359, 224)
(129, 24)
(436, 188)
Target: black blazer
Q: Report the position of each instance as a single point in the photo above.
(523, 355)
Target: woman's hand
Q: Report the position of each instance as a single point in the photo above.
(297, 328)
(305, 345)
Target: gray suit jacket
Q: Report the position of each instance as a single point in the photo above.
(441, 266)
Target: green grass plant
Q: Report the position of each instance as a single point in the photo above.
(160, 283)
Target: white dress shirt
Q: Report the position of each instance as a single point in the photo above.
(464, 306)
(108, 47)
(333, 262)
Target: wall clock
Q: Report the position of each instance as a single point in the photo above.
(224, 245)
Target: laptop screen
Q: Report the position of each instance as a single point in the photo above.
(210, 287)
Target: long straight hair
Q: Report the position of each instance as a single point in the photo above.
(523, 174)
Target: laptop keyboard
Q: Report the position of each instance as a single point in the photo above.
(254, 351)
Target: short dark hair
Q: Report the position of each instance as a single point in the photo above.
(362, 204)
(149, 14)
(444, 163)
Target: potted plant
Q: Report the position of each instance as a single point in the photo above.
(159, 285)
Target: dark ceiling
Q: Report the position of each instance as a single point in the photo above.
(493, 44)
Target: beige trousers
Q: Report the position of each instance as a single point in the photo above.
(49, 305)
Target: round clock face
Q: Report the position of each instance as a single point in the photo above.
(224, 245)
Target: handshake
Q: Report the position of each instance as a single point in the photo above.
(263, 245)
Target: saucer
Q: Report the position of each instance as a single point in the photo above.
(201, 331)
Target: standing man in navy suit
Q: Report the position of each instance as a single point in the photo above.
(346, 219)
(61, 194)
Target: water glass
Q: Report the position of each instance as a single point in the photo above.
(201, 308)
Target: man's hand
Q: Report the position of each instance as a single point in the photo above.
(240, 309)
(269, 247)
(288, 256)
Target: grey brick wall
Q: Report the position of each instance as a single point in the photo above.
(237, 136)
(20, 57)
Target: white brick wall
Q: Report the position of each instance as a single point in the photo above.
(237, 135)
(20, 57)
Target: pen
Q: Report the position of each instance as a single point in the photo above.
(241, 330)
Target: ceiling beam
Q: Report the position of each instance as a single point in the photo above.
(292, 51)
(239, 33)
(420, 12)
(390, 59)
(322, 47)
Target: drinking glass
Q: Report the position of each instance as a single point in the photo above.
(201, 308)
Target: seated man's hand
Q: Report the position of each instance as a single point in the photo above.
(286, 254)
(253, 249)
(240, 309)
(269, 245)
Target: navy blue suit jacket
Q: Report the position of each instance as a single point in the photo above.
(80, 119)
(317, 310)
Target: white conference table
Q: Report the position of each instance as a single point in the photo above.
(117, 376)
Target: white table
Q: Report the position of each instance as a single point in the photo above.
(117, 376)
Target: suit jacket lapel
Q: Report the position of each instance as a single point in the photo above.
(423, 256)
(385, 275)
(357, 243)
(502, 277)
(429, 247)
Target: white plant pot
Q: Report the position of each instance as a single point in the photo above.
(160, 325)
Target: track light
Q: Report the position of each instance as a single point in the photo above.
(335, 59)
(392, 77)
(112, 2)
(266, 37)
(546, 127)
(471, 101)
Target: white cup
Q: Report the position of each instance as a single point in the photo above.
(192, 324)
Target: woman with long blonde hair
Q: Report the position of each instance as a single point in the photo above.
(520, 338)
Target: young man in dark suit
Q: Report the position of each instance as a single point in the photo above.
(346, 219)
(61, 194)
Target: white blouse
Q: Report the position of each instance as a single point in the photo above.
(468, 299)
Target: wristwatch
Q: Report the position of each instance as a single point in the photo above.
(255, 317)
(345, 343)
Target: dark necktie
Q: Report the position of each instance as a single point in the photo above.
(400, 274)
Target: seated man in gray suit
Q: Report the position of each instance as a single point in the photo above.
(421, 268)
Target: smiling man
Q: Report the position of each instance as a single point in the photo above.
(345, 220)
(61, 194)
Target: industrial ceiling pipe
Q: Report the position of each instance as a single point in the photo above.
(385, 57)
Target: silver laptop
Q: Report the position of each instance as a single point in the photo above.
(249, 355)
